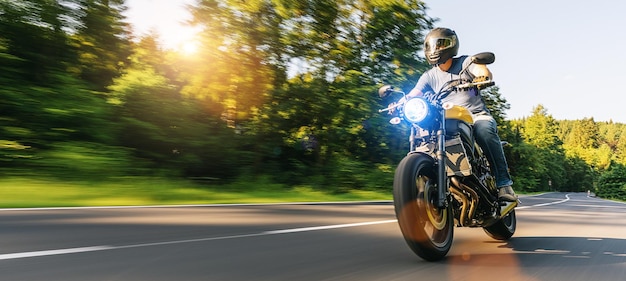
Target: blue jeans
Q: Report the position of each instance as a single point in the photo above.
(486, 132)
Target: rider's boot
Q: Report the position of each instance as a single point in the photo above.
(507, 194)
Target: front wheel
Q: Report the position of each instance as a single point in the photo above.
(427, 229)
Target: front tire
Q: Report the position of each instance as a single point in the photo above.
(427, 230)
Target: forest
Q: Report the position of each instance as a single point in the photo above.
(280, 90)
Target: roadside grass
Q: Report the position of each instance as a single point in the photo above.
(19, 192)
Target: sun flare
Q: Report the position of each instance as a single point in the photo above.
(173, 30)
(189, 48)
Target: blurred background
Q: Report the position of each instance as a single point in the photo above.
(265, 91)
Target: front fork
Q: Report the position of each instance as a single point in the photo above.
(442, 176)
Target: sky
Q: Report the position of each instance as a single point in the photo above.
(565, 55)
(166, 17)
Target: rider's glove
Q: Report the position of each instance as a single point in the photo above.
(482, 79)
(393, 108)
(393, 105)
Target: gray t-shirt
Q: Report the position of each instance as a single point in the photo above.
(434, 80)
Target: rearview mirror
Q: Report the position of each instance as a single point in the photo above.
(484, 58)
(385, 91)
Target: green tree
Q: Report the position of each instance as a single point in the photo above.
(43, 106)
(304, 72)
(496, 104)
(102, 41)
(580, 176)
(168, 131)
(236, 69)
(524, 163)
(620, 147)
(33, 32)
(612, 183)
(584, 142)
(540, 131)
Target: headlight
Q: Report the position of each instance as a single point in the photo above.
(416, 110)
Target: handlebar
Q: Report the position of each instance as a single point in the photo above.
(480, 85)
(392, 107)
(387, 90)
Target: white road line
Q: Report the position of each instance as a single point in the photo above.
(103, 248)
(53, 252)
(303, 229)
(545, 204)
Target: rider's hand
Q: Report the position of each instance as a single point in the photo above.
(483, 79)
(394, 104)
(480, 79)
(393, 108)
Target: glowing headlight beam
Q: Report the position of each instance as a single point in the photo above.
(415, 110)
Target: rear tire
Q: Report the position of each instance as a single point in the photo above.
(427, 230)
(504, 228)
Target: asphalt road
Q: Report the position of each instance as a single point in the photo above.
(559, 237)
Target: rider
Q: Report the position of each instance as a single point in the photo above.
(441, 45)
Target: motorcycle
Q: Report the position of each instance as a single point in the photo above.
(445, 179)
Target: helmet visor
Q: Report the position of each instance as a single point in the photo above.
(438, 44)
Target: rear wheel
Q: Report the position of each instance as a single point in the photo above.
(504, 228)
(427, 229)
